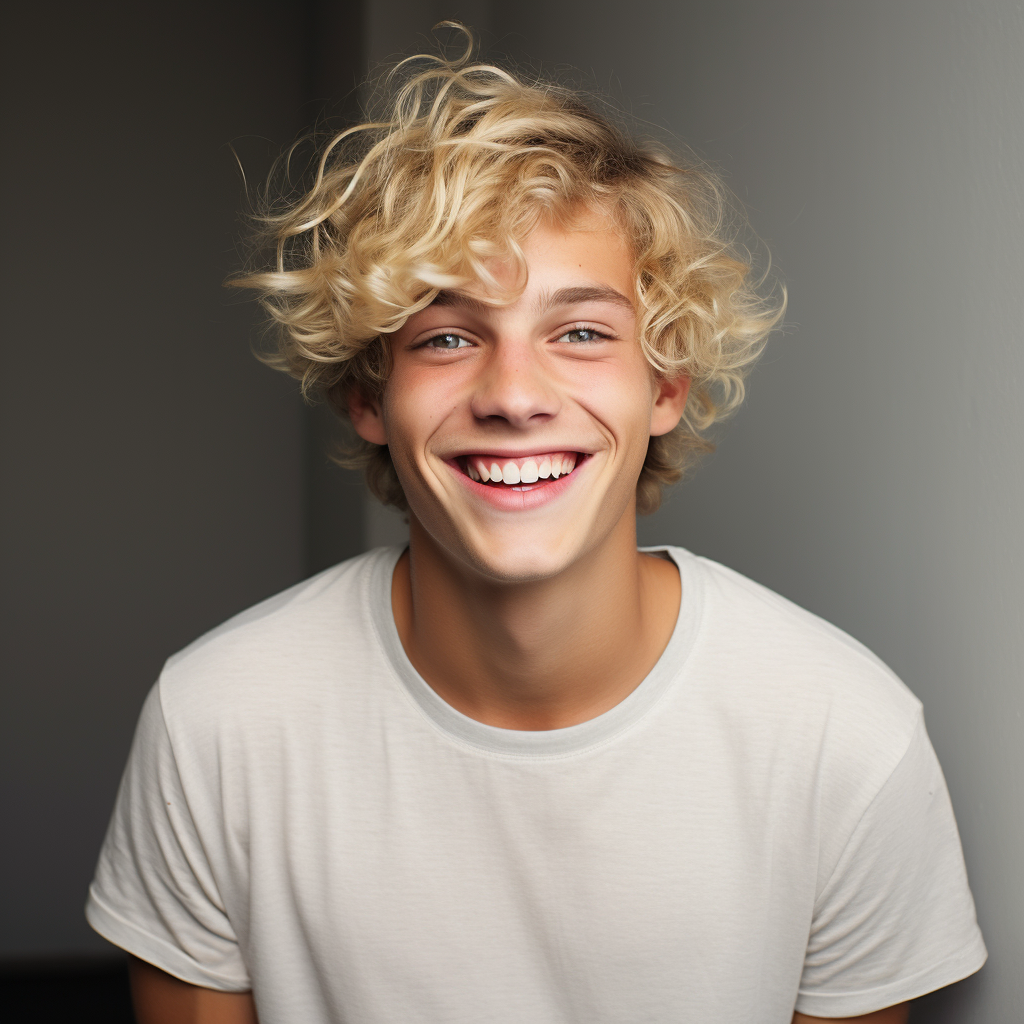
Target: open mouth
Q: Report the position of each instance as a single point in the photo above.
(520, 474)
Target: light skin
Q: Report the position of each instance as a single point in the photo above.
(159, 998)
(524, 605)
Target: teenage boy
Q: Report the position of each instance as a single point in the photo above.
(521, 771)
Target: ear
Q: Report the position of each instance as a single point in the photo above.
(367, 418)
(669, 402)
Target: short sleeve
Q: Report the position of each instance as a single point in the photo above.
(896, 919)
(154, 893)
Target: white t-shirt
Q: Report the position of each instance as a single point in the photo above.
(761, 824)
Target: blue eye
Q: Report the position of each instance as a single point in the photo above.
(447, 342)
(583, 336)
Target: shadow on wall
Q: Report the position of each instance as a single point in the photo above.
(950, 1005)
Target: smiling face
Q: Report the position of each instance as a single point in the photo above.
(518, 432)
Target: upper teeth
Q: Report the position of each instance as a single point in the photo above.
(514, 471)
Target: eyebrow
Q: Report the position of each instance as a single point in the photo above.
(584, 293)
(563, 297)
(446, 297)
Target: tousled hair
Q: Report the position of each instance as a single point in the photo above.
(466, 160)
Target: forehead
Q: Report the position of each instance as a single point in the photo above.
(585, 258)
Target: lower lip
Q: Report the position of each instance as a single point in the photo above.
(521, 496)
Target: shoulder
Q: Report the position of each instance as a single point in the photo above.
(743, 622)
(297, 642)
(777, 671)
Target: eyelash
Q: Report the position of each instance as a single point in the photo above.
(598, 336)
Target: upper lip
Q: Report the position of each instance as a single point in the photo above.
(517, 453)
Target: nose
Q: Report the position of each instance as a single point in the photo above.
(515, 386)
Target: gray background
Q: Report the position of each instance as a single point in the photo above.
(157, 479)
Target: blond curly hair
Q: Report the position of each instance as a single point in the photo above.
(465, 162)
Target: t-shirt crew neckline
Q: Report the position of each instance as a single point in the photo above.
(551, 742)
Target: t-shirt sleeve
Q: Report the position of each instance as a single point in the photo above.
(154, 892)
(896, 918)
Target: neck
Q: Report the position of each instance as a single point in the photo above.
(540, 655)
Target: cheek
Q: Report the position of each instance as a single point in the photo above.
(621, 399)
(416, 403)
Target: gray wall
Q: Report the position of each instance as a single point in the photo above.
(152, 470)
(333, 57)
(876, 474)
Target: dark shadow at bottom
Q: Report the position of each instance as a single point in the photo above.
(85, 992)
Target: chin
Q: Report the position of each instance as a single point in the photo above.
(531, 567)
(517, 557)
